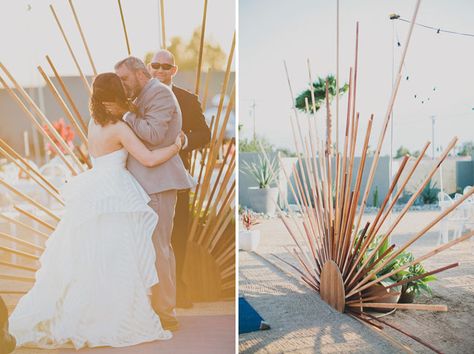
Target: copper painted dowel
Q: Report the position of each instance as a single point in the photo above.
(76, 63)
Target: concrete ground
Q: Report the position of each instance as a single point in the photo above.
(302, 323)
(207, 328)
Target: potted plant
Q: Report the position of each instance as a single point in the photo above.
(262, 197)
(248, 238)
(390, 266)
(414, 288)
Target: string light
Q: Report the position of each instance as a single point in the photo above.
(437, 29)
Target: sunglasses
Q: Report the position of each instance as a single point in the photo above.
(157, 66)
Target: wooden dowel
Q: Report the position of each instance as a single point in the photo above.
(409, 204)
(41, 115)
(358, 317)
(25, 162)
(417, 260)
(20, 241)
(376, 228)
(125, 28)
(63, 105)
(423, 231)
(16, 277)
(370, 298)
(17, 266)
(221, 170)
(76, 63)
(203, 167)
(67, 94)
(227, 253)
(422, 276)
(357, 188)
(76, 18)
(388, 115)
(211, 225)
(21, 224)
(194, 155)
(34, 217)
(220, 232)
(19, 253)
(211, 164)
(383, 305)
(38, 126)
(31, 175)
(372, 234)
(201, 49)
(162, 20)
(13, 292)
(419, 340)
(228, 271)
(206, 91)
(28, 199)
(224, 86)
(337, 78)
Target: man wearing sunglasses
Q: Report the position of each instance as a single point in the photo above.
(196, 135)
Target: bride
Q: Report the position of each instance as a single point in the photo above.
(99, 264)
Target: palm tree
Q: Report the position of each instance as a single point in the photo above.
(319, 87)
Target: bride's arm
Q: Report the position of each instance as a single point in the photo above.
(139, 151)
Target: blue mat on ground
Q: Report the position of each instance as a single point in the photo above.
(249, 319)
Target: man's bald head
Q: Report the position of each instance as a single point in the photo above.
(163, 67)
(163, 56)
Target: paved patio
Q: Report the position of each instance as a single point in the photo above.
(208, 328)
(302, 323)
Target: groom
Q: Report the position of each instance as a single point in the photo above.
(197, 135)
(157, 121)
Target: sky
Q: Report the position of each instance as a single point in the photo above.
(28, 31)
(440, 67)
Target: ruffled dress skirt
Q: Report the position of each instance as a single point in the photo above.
(97, 270)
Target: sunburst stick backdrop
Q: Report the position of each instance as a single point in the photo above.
(210, 265)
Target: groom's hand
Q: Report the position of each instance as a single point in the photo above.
(114, 108)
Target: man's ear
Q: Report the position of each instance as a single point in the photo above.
(174, 70)
(148, 66)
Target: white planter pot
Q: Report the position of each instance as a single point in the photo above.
(263, 200)
(249, 240)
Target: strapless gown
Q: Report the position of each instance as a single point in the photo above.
(98, 267)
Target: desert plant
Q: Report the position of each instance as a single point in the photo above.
(264, 173)
(419, 286)
(429, 195)
(249, 220)
(375, 200)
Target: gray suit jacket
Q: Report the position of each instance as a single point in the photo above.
(157, 123)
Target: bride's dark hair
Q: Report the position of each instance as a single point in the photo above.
(107, 87)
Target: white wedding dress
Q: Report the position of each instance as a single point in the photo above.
(98, 267)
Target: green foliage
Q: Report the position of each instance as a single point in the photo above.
(286, 152)
(418, 286)
(429, 195)
(402, 151)
(186, 53)
(252, 145)
(262, 172)
(466, 148)
(375, 200)
(319, 88)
